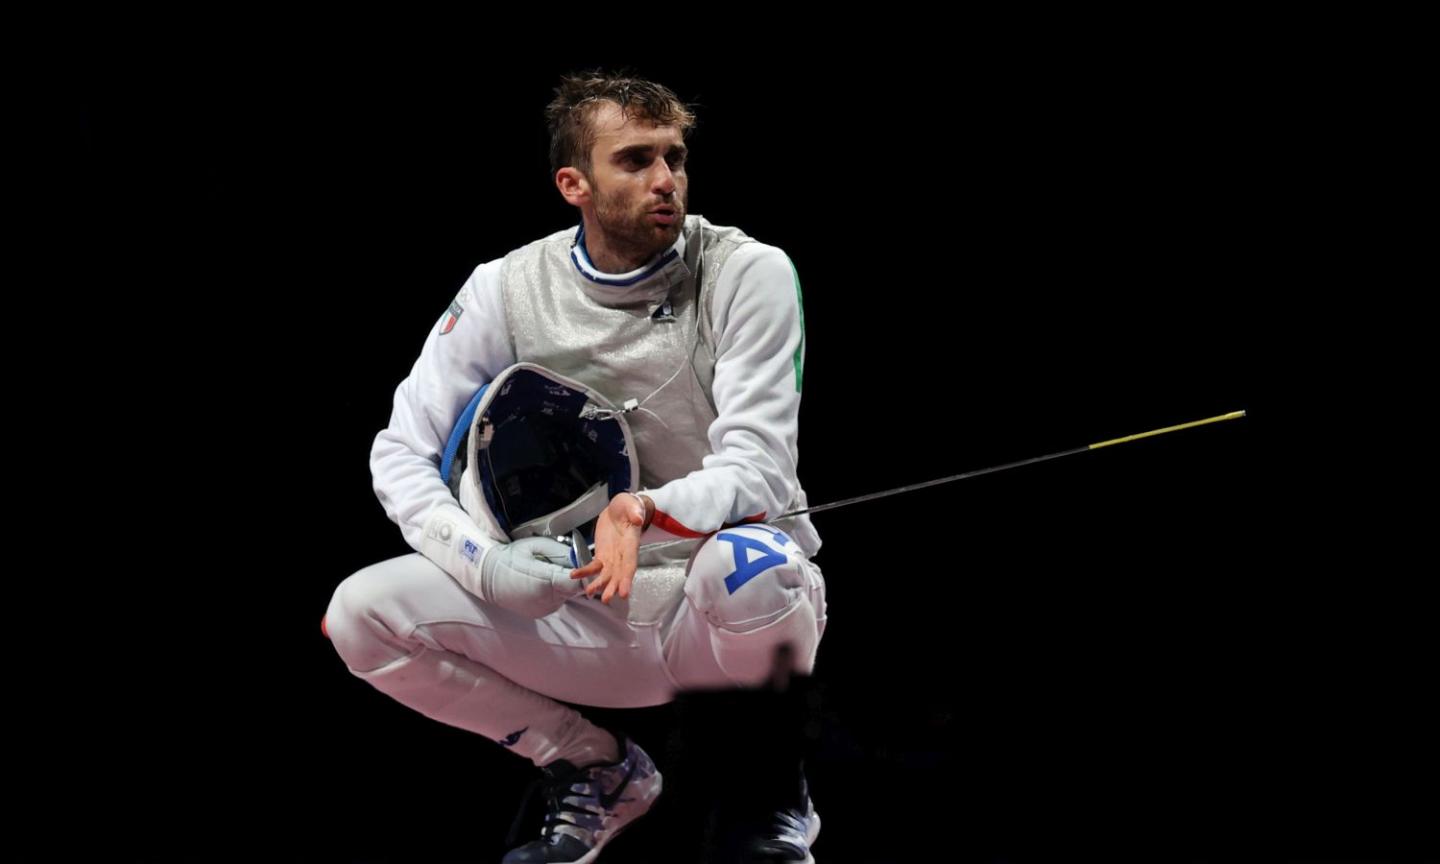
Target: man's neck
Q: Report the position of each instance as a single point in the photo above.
(614, 260)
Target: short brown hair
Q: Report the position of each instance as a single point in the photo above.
(569, 114)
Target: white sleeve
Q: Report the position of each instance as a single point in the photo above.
(750, 474)
(456, 360)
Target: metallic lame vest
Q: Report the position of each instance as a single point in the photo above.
(653, 342)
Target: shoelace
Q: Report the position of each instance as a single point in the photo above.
(554, 791)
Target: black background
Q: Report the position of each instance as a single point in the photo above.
(1008, 247)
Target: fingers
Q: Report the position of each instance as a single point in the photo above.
(605, 579)
(620, 586)
(595, 566)
(544, 548)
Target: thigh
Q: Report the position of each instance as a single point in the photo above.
(585, 652)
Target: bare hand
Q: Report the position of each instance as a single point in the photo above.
(617, 548)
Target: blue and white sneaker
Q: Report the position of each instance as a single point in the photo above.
(587, 807)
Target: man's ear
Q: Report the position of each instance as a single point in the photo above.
(573, 185)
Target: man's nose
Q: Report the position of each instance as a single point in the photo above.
(663, 179)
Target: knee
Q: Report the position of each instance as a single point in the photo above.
(757, 592)
(355, 621)
(746, 578)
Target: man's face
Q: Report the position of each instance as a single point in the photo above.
(638, 179)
